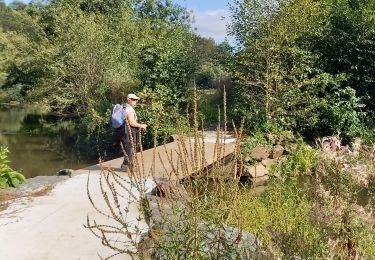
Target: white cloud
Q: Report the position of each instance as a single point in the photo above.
(212, 23)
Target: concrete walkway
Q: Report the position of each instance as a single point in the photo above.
(51, 226)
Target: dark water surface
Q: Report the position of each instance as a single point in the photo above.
(35, 155)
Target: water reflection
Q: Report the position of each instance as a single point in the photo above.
(35, 155)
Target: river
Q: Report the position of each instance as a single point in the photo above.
(36, 154)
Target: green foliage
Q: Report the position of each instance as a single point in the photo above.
(184, 237)
(316, 217)
(8, 177)
(213, 63)
(280, 217)
(350, 28)
(285, 71)
(83, 56)
(301, 160)
(209, 103)
(252, 141)
(162, 120)
(342, 114)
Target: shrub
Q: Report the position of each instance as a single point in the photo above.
(301, 160)
(8, 177)
(280, 217)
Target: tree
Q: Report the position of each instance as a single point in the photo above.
(277, 78)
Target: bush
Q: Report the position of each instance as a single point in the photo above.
(8, 177)
(301, 160)
(280, 217)
(342, 114)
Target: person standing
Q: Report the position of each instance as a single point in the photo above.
(129, 131)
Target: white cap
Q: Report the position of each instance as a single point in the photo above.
(132, 96)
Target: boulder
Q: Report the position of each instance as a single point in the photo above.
(259, 181)
(249, 170)
(277, 151)
(255, 171)
(233, 242)
(260, 152)
(260, 171)
(267, 162)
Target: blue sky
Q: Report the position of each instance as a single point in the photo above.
(211, 16)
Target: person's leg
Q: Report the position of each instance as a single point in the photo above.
(131, 148)
(128, 156)
(121, 140)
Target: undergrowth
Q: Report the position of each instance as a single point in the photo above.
(8, 176)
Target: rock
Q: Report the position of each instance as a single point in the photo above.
(260, 181)
(241, 244)
(168, 224)
(248, 171)
(234, 243)
(255, 171)
(260, 153)
(158, 208)
(277, 151)
(258, 189)
(268, 162)
(169, 189)
(260, 171)
(65, 172)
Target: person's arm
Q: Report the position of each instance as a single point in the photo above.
(133, 123)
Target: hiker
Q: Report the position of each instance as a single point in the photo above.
(123, 133)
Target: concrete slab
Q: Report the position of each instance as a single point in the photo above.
(175, 151)
(51, 227)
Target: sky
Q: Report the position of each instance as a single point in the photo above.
(210, 16)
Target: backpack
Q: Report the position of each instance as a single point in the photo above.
(117, 118)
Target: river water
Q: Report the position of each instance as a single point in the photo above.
(35, 155)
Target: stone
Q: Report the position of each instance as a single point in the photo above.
(169, 189)
(65, 172)
(260, 171)
(260, 181)
(260, 153)
(275, 175)
(277, 151)
(267, 162)
(255, 171)
(249, 171)
(234, 242)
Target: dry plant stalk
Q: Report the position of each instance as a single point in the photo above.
(124, 193)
